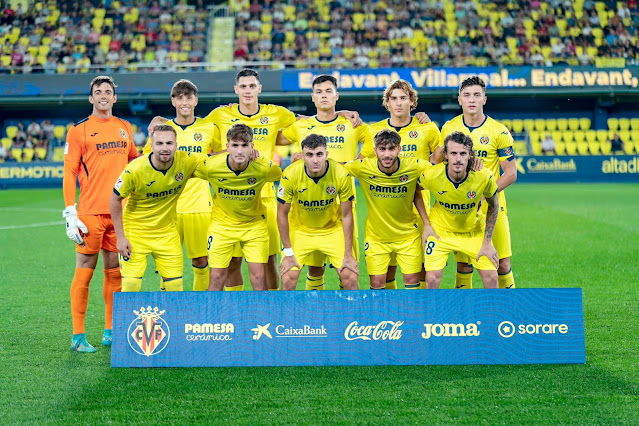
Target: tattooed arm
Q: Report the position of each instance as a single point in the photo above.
(487, 248)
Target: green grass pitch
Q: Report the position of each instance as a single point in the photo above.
(564, 235)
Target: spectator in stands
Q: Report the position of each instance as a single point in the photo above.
(34, 130)
(9, 158)
(3, 151)
(617, 146)
(47, 129)
(20, 139)
(139, 138)
(548, 145)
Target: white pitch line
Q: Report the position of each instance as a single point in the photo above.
(31, 225)
(27, 209)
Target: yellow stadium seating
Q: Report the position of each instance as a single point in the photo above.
(529, 124)
(562, 124)
(573, 123)
(540, 124)
(624, 135)
(6, 142)
(518, 125)
(568, 137)
(551, 124)
(58, 153)
(634, 123)
(630, 147)
(506, 122)
(41, 153)
(571, 148)
(12, 131)
(17, 153)
(602, 135)
(582, 148)
(591, 135)
(520, 147)
(594, 147)
(59, 132)
(560, 148)
(535, 137)
(606, 148)
(624, 124)
(579, 135)
(536, 148)
(584, 123)
(613, 123)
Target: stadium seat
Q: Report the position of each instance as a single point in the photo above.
(17, 153)
(582, 148)
(613, 123)
(634, 123)
(624, 135)
(568, 137)
(579, 135)
(59, 132)
(562, 124)
(534, 136)
(529, 124)
(594, 147)
(58, 153)
(591, 135)
(630, 147)
(606, 148)
(584, 123)
(571, 148)
(518, 125)
(560, 148)
(27, 154)
(551, 124)
(634, 135)
(506, 122)
(41, 153)
(520, 147)
(6, 142)
(602, 135)
(540, 124)
(573, 123)
(557, 136)
(624, 124)
(12, 131)
(536, 148)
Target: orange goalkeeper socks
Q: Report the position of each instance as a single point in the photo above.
(80, 297)
(112, 284)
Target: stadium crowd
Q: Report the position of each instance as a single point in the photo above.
(72, 36)
(65, 36)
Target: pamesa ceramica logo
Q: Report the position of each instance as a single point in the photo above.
(148, 333)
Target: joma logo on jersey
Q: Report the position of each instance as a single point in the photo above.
(316, 203)
(111, 145)
(251, 181)
(330, 190)
(340, 127)
(388, 189)
(385, 330)
(471, 195)
(224, 191)
(411, 148)
(179, 176)
(455, 206)
(148, 333)
(413, 134)
(484, 140)
(264, 120)
(450, 330)
(164, 193)
(190, 148)
(198, 137)
(123, 133)
(403, 178)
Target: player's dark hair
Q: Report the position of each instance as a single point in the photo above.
(472, 81)
(460, 138)
(247, 72)
(387, 137)
(163, 128)
(323, 79)
(183, 87)
(313, 141)
(102, 79)
(240, 133)
(402, 85)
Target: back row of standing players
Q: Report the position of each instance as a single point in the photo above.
(273, 125)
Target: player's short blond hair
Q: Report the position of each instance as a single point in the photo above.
(402, 85)
(163, 128)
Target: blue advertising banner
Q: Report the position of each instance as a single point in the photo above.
(302, 328)
(586, 168)
(31, 175)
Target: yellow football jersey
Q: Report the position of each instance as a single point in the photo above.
(197, 138)
(389, 197)
(152, 193)
(266, 123)
(455, 208)
(491, 140)
(418, 140)
(342, 138)
(238, 198)
(314, 200)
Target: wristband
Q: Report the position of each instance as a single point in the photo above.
(288, 252)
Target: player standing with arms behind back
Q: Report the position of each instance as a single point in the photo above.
(494, 146)
(98, 148)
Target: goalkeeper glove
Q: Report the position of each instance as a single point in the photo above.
(75, 228)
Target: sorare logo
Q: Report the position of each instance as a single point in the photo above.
(148, 333)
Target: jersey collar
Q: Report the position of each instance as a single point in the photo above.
(456, 184)
(184, 127)
(473, 128)
(397, 129)
(237, 173)
(399, 164)
(259, 107)
(161, 171)
(325, 122)
(317, 179)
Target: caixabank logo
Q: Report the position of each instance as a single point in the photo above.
(281, 330)
(148, 333)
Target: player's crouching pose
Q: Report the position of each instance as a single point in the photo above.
(153, 184)
(455, 218)
(390, 187)
(239, 215)
(318, 193)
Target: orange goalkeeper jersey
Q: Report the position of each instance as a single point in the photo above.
(96, 152)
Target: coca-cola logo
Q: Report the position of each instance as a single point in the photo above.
(385, 330)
